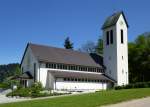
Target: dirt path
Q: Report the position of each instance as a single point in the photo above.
(144, 102)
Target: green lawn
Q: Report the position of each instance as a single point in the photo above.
(86, 100)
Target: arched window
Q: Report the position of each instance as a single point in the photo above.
(122, 39)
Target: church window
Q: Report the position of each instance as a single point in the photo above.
(65, 79)
(111, 36)
(122, 57)
(107, 37)
(79, 79)
(72, 79)
(76, 79)
(72, 67)
(122, 36)
(122, 71)
(34, 72)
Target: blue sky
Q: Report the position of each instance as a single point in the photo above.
(49, 22)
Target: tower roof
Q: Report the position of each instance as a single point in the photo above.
(112, 20)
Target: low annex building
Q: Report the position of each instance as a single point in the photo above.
(63, 69)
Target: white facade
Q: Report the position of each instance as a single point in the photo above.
(116, 54)
(49, 81)
(61, 84)
(28, 64)
(115, 57)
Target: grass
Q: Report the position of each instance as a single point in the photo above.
(86, 100)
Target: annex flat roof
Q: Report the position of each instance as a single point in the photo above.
(67, 74)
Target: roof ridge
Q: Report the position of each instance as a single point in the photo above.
(112, 19)
(57, 48)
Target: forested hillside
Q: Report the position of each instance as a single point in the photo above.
(8, 70)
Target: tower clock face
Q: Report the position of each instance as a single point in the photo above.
(121, 22)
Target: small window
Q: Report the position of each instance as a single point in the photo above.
(68, 79)
(111, 36)
(65, 79)
(76, 79)
(122, 71)
(79, 79)
(72, 79)
(122, 57)
(47, 65)
(122, 36)
(107, 38)
(82, 79)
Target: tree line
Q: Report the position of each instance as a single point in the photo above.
(138, 55)
(139, 59)
(9, 70)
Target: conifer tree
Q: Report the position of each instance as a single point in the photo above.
(68, 44)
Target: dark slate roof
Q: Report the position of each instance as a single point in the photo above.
(65, 56)
(112, 20)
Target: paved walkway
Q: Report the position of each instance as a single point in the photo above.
(4, 99)
(144, 102)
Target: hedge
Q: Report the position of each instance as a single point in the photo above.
(135, 85)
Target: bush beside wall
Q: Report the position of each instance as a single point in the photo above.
(135, 85)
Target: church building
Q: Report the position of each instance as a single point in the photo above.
(64, 69)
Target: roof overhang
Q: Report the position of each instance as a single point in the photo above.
(89, 75)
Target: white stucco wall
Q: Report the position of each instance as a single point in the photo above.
(72, 85)
(28, 64)
(110, 54)
(122, 50)
(113, 53)
(49, 81)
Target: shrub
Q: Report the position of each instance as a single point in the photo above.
(34, 91)
(34, 95)
(129, 86)
(148, 84)
(4, 86)
(135, 85)
(36, 88)
(118, 87)
(22, 92)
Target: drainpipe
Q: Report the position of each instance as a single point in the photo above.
(39, 70)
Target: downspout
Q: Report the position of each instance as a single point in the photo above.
(39, 70)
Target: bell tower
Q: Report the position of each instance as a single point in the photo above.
(115, 53)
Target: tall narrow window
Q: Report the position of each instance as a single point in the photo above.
(107, 38)
(121, 36)
(111, 36)
(34, 72)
